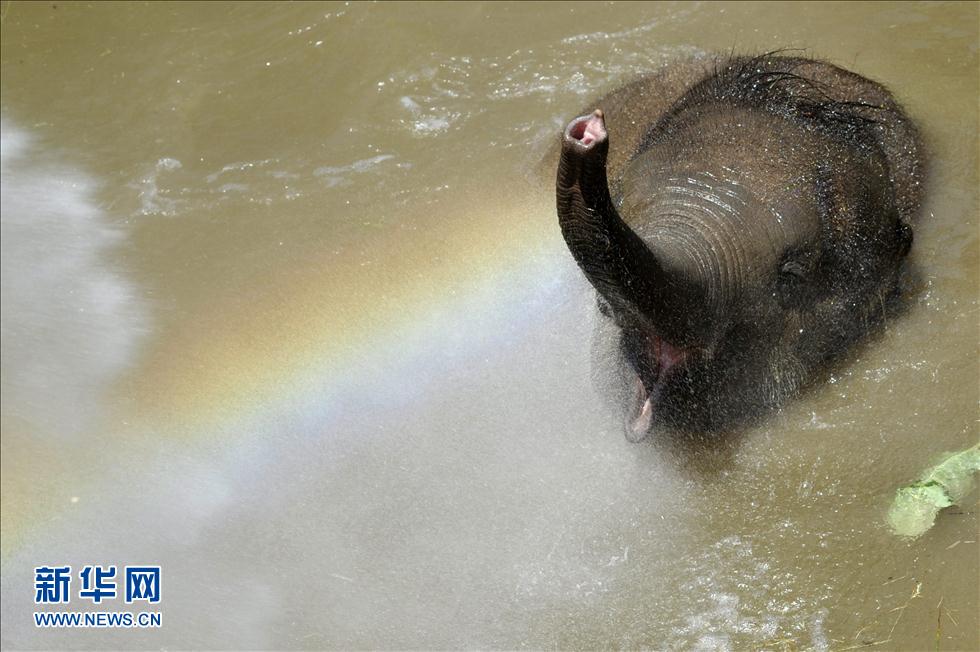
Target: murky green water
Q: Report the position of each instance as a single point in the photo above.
(286, 311)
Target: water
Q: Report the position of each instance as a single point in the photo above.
(286, 310)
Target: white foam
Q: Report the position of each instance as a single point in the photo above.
(71, 321)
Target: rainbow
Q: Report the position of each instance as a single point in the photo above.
(306, 344)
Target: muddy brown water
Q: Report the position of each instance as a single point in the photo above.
(286, 312)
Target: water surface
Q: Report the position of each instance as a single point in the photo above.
(286, 310)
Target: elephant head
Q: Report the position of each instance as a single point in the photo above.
(738, 250)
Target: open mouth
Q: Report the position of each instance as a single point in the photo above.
(656, 362)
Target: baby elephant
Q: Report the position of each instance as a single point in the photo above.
(746, 225)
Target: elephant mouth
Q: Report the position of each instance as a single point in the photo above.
(658, 362)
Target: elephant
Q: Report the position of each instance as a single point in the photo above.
(744, 222)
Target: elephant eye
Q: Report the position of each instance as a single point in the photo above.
(795, 282)
(793, 268)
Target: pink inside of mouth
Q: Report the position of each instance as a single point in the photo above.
(589, 129)
(665, 357)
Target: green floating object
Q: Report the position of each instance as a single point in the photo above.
(945, 484)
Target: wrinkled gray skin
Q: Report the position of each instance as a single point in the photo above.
(744, 222)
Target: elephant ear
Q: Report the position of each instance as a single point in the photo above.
(863, 235)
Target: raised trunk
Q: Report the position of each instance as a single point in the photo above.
(613, 257)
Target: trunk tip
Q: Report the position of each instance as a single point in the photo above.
(587, 130)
